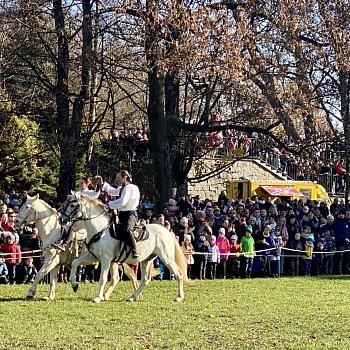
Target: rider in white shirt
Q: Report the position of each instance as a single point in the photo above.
(67, 236)
(127, 203)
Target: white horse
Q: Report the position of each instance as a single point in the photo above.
(160, 242)
(49, 228)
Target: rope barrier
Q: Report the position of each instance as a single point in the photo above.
(256, 252)
(300, 252)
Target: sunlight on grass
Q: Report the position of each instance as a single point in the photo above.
(286, 313)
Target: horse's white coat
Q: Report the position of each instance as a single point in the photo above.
(160, 243)
(47, 221)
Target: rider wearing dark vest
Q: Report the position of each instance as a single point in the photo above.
(127, 203)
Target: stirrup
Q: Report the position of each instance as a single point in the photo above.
(60, 246)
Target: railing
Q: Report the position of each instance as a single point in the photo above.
(251, 147)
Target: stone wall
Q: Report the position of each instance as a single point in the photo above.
(211, 188)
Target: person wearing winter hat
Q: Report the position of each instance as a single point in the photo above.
(201, 245)
(319, 256)
(233, 262)
(307, 257)
(188, 250)
(224, 247)
(341, 238)
(213, 258)
(248, 250)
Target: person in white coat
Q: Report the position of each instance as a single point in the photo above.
(127, 203)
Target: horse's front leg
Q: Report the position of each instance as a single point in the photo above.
(114, 280)
(85, 259)
(105, 264)
(49, 264)
(53, 281)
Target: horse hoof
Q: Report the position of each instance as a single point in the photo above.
(46, 298)
(130, 300)
(178, 299)
(97, 300)
(75, 288)
(29, 297)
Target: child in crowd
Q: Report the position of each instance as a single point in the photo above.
(12, 255)
(187, 248)
(262, 246)
(224, 247)
(27, 272)
(293, 260)
(213, 258)
(202, 247)
(275, 241)
(233, 261)
(3, 272)
(307, 257)
(318, 257)
(328, 248)
(306, 234)
(248, 248)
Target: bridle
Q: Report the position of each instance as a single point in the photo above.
(71, 217)
(34, 211)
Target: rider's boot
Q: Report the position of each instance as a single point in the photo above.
(135, 254)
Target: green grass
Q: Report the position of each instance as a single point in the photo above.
(285, 313)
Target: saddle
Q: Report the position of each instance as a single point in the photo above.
(140, 232)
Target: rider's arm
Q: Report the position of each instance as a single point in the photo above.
(123, 200)
(111, 190)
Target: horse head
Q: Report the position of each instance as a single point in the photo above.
(27, 213)
(82, 207)
(72, 210)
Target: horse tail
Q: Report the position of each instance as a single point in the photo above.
(181, 261)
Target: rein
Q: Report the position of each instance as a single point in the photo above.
(97, 236)
(70, 217)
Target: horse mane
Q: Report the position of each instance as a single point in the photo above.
(95, 201)
(46, 205)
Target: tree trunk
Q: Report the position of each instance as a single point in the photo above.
(69, 129)
(344, 89)
(67, 164)
(159, 145)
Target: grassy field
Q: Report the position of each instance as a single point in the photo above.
(285, 313)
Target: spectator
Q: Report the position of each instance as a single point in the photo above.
(188, 250)
(340, 171)
(341, 238)
(224, 248)
(12, 254)
(202, 247)
(248, 249)
(213, 258)
(233, 262)
(27, 271)
(307, 257)
(3, 272)
(293, 260)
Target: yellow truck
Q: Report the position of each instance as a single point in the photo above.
(291, 189)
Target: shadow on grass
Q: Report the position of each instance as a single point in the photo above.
(334, 277)
(7, 299)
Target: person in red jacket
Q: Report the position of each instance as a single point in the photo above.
(340, 171)
(12, 255)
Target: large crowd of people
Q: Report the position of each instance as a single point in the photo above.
(221, 238)
(257, 238)
(322, 163)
